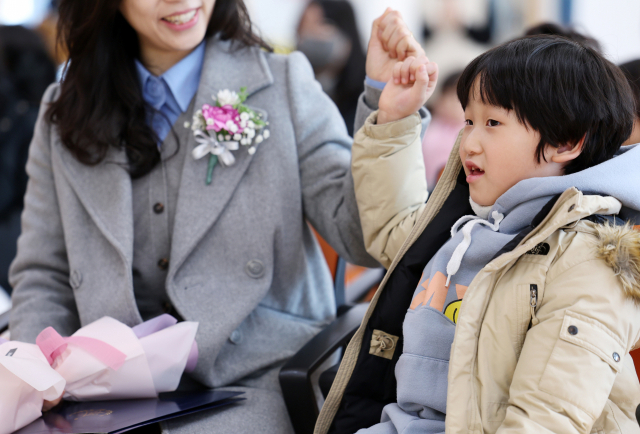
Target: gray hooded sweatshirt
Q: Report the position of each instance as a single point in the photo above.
(429, 325)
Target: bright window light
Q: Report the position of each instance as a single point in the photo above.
(16, 11)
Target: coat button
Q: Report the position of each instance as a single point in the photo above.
(255, 268)
(573, 330)
(236, 337)
(158, 208)
(75, 279)
(163, 264)
(616, 357)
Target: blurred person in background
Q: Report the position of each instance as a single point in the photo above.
(447, 121)
(632, 72)
(25, 72)
(452, 42)
(566, 32)
(328, 36)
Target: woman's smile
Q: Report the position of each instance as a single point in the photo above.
(182, 20)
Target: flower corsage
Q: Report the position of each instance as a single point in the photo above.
(223, 127)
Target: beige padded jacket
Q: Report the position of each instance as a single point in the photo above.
(573, 372)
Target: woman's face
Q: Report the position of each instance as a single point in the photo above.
(167, 27)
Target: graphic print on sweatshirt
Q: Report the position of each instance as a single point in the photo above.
(437, 296)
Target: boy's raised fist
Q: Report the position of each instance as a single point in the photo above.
(412, 83)
(390, 41)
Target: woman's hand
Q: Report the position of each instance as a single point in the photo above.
(390, 41)
(48, 405)
(413, 82)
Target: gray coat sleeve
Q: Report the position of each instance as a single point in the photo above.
(368, 103)
(324, 155)
(39, 275)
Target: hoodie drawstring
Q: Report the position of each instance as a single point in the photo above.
(461, 249)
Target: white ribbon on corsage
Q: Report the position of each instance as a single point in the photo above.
(209, 145)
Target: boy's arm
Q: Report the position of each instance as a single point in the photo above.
(390, 183)
(390, 40)
(570, 360)
(387, 164)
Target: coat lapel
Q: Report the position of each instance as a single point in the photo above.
(200, 205)
(105, 192)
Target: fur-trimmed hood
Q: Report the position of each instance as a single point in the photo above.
(619, 247)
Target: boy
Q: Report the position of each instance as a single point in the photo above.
(540, 286)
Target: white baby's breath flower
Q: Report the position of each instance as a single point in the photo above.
(227, 137)
(250, 133)
(237, 137)
(252, 115)
(259, 139)
(250, 124)
(244, 116)
(220, 137)
(266, 134)
(187, 124)
(198, 123)
(209, 121)
(243, 124)
(252, 150)
(227, 97)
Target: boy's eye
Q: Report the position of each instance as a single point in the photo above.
(468, 122)
(492, 123)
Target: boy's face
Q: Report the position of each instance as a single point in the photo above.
(497, 151)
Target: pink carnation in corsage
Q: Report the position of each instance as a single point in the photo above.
(223, 127)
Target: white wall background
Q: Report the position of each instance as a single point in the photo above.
(26, 12)
(614, 23)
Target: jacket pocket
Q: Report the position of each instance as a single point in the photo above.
(583, 364)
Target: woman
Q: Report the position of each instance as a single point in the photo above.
(119, 220)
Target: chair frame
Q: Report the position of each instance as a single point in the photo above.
(295, 375)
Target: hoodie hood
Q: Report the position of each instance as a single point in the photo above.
(618, 177)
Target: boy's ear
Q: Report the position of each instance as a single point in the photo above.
(566, 153)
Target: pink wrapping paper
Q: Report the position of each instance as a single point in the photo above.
(109, 360)
(26, 381)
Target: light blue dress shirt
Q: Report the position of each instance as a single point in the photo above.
(171, 93)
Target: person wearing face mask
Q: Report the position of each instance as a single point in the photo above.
(123, 219)
(328, 36)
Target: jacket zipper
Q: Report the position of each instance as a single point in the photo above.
(533, 303)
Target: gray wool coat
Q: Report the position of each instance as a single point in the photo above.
(74, 261)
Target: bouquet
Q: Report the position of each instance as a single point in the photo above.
(27, 381)
(108, 360)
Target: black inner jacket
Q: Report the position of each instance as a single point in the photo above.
(373, 383)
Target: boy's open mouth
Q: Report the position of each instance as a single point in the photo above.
(474, 172)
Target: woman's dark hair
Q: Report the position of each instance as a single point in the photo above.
(632, 71)
(350, 82)
(100, 103)
(563, 90)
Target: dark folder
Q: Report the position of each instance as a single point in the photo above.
(114, 417)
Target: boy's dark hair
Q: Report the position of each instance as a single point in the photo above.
(563, 90)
